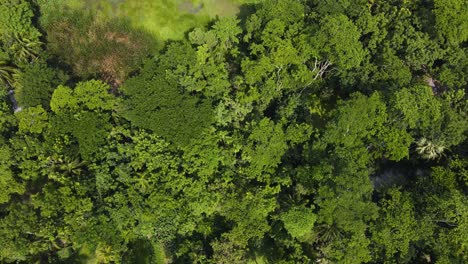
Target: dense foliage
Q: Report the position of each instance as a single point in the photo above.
(301, 131)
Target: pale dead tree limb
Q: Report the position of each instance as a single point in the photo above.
(321, 68)
(315, 64)
(279, 83)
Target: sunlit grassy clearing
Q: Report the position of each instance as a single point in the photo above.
(165, 19)
(170, 19)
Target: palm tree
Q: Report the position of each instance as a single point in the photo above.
(25, 49)
(328, 233)
(65, 167)
(428, 149)
(7, 73)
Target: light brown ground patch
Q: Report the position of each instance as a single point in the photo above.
(118, 37)
(188, 6)
(104, 50)
(110, 73)
(112, 66)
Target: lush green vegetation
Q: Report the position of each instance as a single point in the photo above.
(276, 131)
(164, 19)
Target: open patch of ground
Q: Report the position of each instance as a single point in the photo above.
(109, 50)
(91, 45)
(164, 19)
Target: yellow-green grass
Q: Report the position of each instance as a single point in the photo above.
(170, 19)
(164, 19)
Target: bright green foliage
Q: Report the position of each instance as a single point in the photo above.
(451, 20)
(83, 112)
(32, 120)
(17, 34)
(225, 251)
(267, 144)
(439, 200)
(452, 73)
(17, 247)
(205, 157)
(70, 213)
(451, 129)
(401, 35)
(31, 164)
(350, 7)
(395, 69)
(437, 124)
(94, 95)
(345, 209)
(396, 228)
(344, 188)
(135, 166)
(249, 211)
(358, 119)
(296, 132)
(396, 143)
(281, 59)
(15, 17)
(338, 42)
(63, 100)
(213, 46)
(417, 106)
(460, 167)
(299, 221)
(396, 35)
(343, 216)
(456, 211)
(91, 95)
(286, 11)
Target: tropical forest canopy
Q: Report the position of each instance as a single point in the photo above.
(275, 131)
